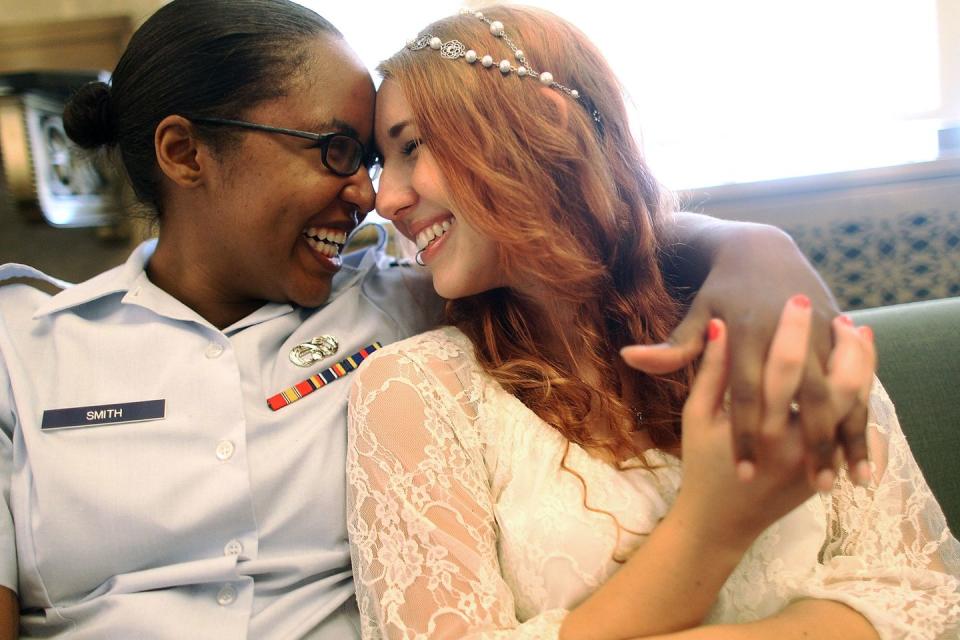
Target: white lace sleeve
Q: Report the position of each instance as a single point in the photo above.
(889, 553)
(421, 519)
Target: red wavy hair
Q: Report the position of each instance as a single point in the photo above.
(574, 210)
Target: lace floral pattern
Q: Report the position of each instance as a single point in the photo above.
(463, 523)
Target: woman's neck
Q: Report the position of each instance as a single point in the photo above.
(191, 281)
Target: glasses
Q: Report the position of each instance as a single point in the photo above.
(341, 153)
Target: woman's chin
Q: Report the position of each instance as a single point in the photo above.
(445, 288)
(454, 289)
(311, 293)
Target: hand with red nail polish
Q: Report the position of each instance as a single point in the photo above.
(753, 273)
(714, 496)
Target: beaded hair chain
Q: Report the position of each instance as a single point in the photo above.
(454, 49)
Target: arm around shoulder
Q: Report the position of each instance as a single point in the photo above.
(693, 243)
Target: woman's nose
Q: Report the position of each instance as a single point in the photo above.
(393, 196)
(359, 191)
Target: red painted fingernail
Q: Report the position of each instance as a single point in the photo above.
(801, 301)
(867, 332)
(713, 329)
(847, 320)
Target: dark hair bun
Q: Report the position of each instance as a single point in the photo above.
(88, 117)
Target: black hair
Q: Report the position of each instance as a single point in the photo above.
(202, 58)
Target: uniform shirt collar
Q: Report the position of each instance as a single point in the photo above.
(115, 280)
(355, 266)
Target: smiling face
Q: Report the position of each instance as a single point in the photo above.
(292, 214)
(414, 196)
(275, 217)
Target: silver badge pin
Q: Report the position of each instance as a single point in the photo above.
(307, 353)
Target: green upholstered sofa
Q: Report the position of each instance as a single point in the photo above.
(918, 344)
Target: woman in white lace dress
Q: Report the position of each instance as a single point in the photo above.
(511, 477)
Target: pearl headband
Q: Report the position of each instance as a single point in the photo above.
(454, 49)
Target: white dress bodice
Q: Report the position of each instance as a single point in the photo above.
(468, 520)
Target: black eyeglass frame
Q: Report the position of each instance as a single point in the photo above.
(367, 158)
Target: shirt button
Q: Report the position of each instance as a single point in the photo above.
(214, 350)
(225, 450)
(226, 596)
(233, 548)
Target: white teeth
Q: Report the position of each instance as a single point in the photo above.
(325, 241)
(330, 235)
(333, 236)
(425, 237)
(432, 232)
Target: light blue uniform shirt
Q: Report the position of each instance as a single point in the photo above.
(223, 519)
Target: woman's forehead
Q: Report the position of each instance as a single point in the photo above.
(331, 57)
(392, 105)
(334, 96)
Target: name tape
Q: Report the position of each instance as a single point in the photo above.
(96, 415)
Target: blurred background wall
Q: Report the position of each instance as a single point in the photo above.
(58, 35)
(15, 12)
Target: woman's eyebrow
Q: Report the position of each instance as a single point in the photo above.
(397, 129)
(335, 124)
